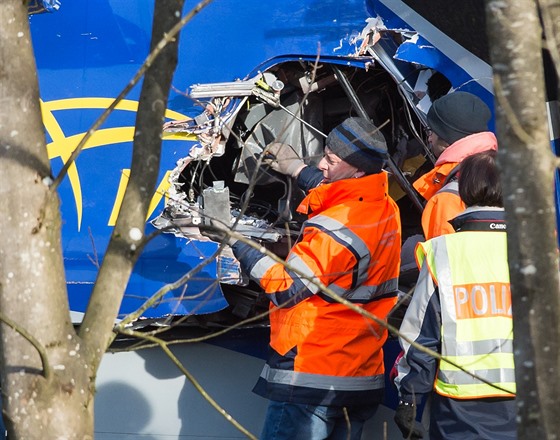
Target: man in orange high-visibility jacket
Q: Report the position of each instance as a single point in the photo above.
(326, 360)
(458, 124)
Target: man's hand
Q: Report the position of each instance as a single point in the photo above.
(218, 231)
(405, 418)
(283, 159)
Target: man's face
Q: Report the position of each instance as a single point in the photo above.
(334, 168)
(437, 145)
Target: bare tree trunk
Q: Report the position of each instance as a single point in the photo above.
(527, 165)
(126, 240)
(47, 397)
(48, 372)
(550, 16)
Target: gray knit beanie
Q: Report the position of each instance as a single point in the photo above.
(457, 115)
(359, 143)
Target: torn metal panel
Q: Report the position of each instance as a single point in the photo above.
(39, 6)
(217, 131)
(295, 102)
(425, 44)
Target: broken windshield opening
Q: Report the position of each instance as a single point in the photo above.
(296, 103)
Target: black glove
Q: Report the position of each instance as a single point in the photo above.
(405, 418)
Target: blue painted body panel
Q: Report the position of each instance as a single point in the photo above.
(86, 54)
(90, 50)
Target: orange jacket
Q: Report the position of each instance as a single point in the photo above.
(445, 204)
(323, 352)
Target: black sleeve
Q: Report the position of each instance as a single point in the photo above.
(309, 178)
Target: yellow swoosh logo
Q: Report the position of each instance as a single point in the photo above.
(62, 146)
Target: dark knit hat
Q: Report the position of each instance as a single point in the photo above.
(457, 115)
(359, 143)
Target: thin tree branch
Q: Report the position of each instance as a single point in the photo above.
(163, 290)
(121, 255)
(191, 379)
(548, 10)
(47, 371)
(516, 126)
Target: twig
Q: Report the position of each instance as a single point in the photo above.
(47, 372)
(191, 379)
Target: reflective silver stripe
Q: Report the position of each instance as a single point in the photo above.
(351, 240)
(496, 376)
(469, 348)
(387, 239)
(300, 266)
(323, 382)
(366, 293)
(265, 263)
(442, 270)
(261, 266)
(452, 187)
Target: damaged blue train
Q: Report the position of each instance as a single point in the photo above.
(248, 73)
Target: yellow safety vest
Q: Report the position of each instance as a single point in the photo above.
(471, 271)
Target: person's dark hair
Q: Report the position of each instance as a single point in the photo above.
(479, 180)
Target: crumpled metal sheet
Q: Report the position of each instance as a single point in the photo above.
(39, 6)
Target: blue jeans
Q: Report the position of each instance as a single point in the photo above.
(294, 421)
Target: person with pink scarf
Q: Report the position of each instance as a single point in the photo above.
(458, 128)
